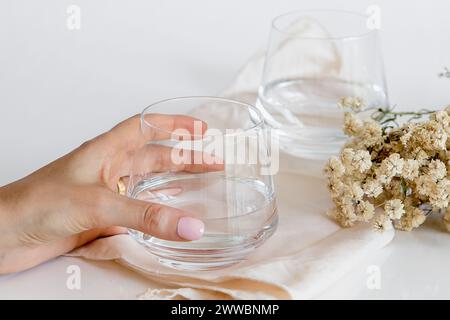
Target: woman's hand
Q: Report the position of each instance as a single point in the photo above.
(73, 200)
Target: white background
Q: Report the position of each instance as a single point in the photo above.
(60, 87)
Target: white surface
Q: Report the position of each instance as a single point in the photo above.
(60, 87)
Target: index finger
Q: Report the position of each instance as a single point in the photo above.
(155, 126)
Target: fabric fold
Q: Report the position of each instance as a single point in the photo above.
(303, 275)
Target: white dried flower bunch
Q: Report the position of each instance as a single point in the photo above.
(405, 170)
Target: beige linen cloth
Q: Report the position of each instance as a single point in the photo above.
(308, 252)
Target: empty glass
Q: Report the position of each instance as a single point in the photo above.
(220, 172)
(314, 59)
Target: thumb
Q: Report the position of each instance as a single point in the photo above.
(158, 220)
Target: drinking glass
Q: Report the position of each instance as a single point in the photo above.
(313, 60)
(225, 179)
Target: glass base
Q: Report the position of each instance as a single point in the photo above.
(306, 115)
(184, 256)
(239, 215)
(313, 150)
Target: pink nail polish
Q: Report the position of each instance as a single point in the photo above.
(190, 228)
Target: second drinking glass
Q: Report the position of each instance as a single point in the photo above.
(315, 59)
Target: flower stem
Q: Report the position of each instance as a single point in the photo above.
(387, 115)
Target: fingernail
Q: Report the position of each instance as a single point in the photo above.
(190, 228)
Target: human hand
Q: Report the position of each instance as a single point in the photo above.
(73, 200)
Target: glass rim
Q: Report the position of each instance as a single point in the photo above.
(205, 98)
(343, 38)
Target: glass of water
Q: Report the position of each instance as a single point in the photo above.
(314, 59)
(220, 172)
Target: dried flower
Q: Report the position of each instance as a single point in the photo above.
(382, 223)
(394, 209)
(436, 170)
(334, 168)
(352, 103)
(371, 134)
(390, 167)
(365, 211)
(412, 218)
(424, 185)
(439, 195)
(352, 125)
(419, 154)
(372, 188)
(354, 191)
(403, 169)
(361, 160)
(335, 186)
(442, 117)
(410, 169)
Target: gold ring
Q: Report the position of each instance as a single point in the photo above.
(121, 189)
